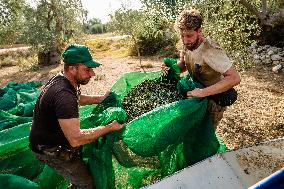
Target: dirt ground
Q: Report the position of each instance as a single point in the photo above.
(258, 114)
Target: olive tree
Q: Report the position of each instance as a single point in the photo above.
(227, 22)
(95, 26)
(11, 20)
(271, 17)
(166, 8)
(148, 31)
(50, 24)
(259, 19)
(128, 22)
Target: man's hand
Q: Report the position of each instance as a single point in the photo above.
(195, 93)
(165, 68)
(114, 126)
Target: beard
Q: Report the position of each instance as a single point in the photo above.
(84, 82)
(192, 46)
(80, 81)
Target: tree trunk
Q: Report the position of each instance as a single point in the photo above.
(272, 24)
(273, 36)
(272, 30)
(50, 57)
(138, 53)
(54, 55)
(43, 58)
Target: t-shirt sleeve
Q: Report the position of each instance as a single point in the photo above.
(66, 105)
(217, 59)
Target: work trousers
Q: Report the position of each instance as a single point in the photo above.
(72, 169)
(216, 112)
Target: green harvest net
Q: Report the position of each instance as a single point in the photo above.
(150, 147)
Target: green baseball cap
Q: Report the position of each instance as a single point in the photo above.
(75, 53)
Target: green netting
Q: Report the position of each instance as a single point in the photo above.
(15, 93)
(48, 178)
(174, 71)
(150, 147)
(21, 163)
(16, 182)
(14, 139)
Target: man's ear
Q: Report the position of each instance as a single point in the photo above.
(199, 30)
(73, 69)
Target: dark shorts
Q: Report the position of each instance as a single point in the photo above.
(72, 168)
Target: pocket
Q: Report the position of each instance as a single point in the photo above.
(226, 98)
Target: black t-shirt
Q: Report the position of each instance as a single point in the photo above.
(58, 100)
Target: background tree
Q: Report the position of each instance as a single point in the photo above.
(228, 22)
(166, 8)
(95, 26)
(271, 19)
(268, 16)
(122, 22)
(11, 20)
(50, 24)
(148, 31)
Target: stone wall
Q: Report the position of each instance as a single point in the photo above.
(268, 55)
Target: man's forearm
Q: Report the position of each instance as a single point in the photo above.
(225, 84)
(86, 99)
(231, 79)
(89, 135)
(77, 137)
(219, 87)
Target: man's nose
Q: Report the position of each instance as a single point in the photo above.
(92, 73)
(186, 41)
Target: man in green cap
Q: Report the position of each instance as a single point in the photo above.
(55, 136)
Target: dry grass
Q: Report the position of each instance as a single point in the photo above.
(107, 44)
(104, 35)
(21, 57)
(11, 46)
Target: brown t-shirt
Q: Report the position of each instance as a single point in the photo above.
(207, 63)
(58, 100)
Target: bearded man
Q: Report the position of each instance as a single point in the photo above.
(207, 63)
(55, 136)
